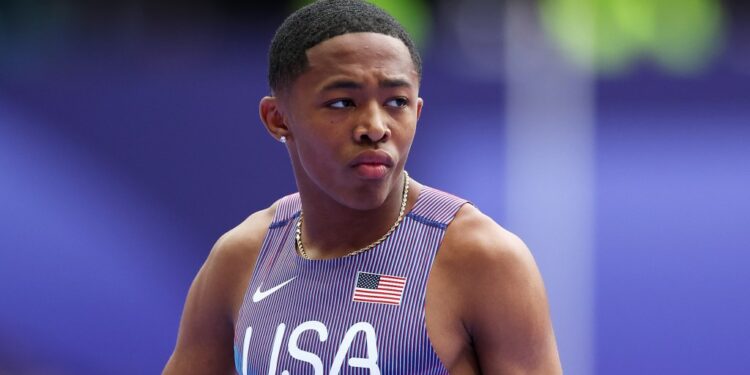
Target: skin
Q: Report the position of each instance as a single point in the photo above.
(486, 308)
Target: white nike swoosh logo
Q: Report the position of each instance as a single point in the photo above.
(259, 296)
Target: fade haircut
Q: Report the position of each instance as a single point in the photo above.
(323, 20)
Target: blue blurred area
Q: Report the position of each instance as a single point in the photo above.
(673, 210)
(129, 141)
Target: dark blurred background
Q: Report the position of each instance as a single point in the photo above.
(612, 135)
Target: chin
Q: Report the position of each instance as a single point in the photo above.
(365, 203)
(367, 199)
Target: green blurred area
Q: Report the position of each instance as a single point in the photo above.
(682, 36)
(607, 36)
(414, 15)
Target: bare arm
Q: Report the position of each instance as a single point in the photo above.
(205, 343)
(507, 314)
(205, 340)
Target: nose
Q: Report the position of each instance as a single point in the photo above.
(372, 125)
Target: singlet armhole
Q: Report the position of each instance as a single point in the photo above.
(287, 210)
(436, 208)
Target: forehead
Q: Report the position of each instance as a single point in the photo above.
(359, 55)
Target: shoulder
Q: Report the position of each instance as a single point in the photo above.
(243, 242)
(505, 309)
(246, 237)
(478, 243)
(491, 256)
(233, 256)
(206, 328)
(228, 268)
(475, 243)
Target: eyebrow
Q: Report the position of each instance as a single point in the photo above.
(392, 83)
(352, 85)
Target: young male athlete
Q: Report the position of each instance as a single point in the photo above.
(364, 271)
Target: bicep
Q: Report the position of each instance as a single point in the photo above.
(512, 327)
(205, 338)
(205, 343)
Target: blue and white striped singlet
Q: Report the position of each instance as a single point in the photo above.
(362, 314)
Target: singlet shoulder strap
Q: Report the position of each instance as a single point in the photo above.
(288, 208)
(433, 207)
(436, 208)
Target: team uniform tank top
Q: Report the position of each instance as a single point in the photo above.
(361, 314)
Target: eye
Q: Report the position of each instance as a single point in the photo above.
(399, 102)
(340, 103)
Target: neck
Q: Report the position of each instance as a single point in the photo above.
(331, 229)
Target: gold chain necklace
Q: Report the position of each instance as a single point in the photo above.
(298, 230)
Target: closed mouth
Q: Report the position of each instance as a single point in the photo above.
(373, 158)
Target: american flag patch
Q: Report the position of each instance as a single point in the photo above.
(375, 288)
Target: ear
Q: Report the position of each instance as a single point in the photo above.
(420, 103)
(273, 118)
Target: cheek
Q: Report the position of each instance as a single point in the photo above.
(320, 145)
(406, 131)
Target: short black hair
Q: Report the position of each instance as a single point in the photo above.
(323, 20)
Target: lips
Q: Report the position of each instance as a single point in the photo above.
(372, 164)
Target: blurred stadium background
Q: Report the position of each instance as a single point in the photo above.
(612, 135)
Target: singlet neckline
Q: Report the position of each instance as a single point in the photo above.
(348, 258)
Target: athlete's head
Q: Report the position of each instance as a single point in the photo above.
(323, 20)
(345, 78)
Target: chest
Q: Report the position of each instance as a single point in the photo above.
(345, 319)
